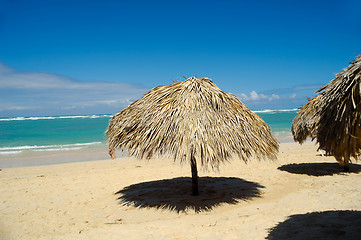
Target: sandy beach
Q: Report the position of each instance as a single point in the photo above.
(301, 195)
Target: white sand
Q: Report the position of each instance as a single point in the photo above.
(78, 200)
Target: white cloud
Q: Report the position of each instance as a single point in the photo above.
(16, 107)
(255, 97)
(63, 95)
(275, 96)
(288, 97)
(10, 78)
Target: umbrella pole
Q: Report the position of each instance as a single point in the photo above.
(194, 175)
(346, 167)
(346, 158)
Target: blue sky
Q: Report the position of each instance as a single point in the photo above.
(89, 57)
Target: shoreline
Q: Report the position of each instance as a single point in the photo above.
(43, 158)
(91, 153)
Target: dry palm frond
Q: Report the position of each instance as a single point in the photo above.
(191, 116)
(304, 124)
(339, 127)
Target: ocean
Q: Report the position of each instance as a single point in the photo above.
(25, 136)
(280, 121)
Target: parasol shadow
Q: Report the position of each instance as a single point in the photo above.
(175, 194)
(331, 225)
(319, 169)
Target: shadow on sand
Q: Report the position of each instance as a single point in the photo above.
(175, 194)
(319, 225)
(318, 169)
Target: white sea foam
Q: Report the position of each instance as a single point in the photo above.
(65, 147)
(9, 152)
(283, 133)
(269, 111)
(55, 117)
(274, 111)
(57, 149)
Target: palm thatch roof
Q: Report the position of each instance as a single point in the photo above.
(304, 124)
(339, 126)
(191, 120)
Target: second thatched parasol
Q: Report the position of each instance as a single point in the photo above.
(189, 121)
(339, 126)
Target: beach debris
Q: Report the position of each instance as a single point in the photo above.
(334, 116)
(116, 221)
(191, 121)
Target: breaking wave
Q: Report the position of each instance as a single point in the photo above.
(56, 117)
(35, 148)
(274, 111)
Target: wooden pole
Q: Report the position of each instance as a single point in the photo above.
(346, 167)
(194, 175)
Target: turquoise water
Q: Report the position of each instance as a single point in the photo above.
(280, 121)
(51, 133)
(76, 132)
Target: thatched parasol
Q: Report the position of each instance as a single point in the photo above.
(339, 127)
(191, 121)
(304, 124)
